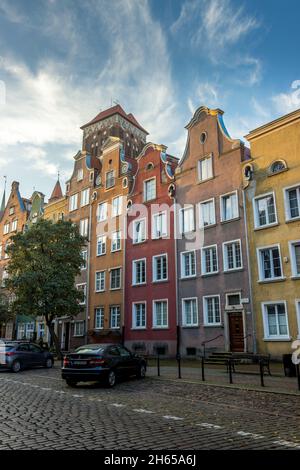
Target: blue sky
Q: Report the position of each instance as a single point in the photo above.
(61, 61)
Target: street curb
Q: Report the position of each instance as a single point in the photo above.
(233, 386)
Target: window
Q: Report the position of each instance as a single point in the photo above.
(84, 227)
(99, 318)
(298, 315)
(117, 206)
(6, 228)
(160, 268)
(277, 167)
(292, 202)
(269, 263)
(100, 281)
(205, 169)
(190, 312)
(73, 202)
(6, 255)
(229, 207)
(14, 225)
(264, 211)
(11, 210)
(115, 278)
(116, 241)
(207, 215)
(209, 260)
(275, 320)
(79, 328)
(139, 315)
(85, 197)
(115, 314)
(295, 258)
(159, 225)
(233, 300)
(232, 255)
(82, 288)
(41, 330)
(139, 231)
(211, 309)
(160, 314)
(29, 330)
(84, 259)
(102, 212)
(139, 272)
(188, 264)
(186, 219)
(80, 174)
(110, 179)
(101, 245)
(149, 189)
(0, 252)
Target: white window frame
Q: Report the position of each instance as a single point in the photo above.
(134, 280)
(288, 217)
(118, 212)
(113, 179)
(102, 310)
(85, 197)
(154, 270)
(115, 239)
(104, 242)
(6, 228)
(203, 264)
(135, 222)
(231, 193)
(200, 176)
(84, 227)
(110, 278)
(297, 306)
(102, 204)
(80, 333)
(188, 207)
(293, 258)
(205, 311)
(134, 317)
(85, 258)
(145, 198)
(164, 231)
(260, 266)
(182, 254)
(256, 214)
(200, 204)
(225, 255)
(80, 174)
(84, 292)
(103, 271)
(154, 318)
(183, 314)
(14, 225)
(268, 337)
(110, 317)
(233, 306)
(73, 202)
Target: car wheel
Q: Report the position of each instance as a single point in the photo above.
(141, 373)
(16, 366)
(111, 379)
(71, 383)
(49, 363)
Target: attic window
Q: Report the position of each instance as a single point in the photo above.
(11, 210)
(203, 137)
(277, 167)
(149, 166)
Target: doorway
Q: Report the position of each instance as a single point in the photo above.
(236, 331)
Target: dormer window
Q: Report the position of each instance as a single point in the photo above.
(277, 167)
(80, 174)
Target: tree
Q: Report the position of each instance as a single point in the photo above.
(44, 261)
(5, 309)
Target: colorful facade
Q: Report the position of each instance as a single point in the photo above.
(213, 285)
(150, 300)
(272, 188)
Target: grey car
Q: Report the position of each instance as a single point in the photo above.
(24, 355)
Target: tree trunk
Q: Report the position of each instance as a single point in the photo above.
(54, 339)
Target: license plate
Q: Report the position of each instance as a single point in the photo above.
(79, 363)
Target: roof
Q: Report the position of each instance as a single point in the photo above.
(110, 112)
(57, 192)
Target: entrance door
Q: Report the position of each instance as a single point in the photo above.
(66, 336)
(236, 332)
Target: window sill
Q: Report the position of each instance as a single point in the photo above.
(205, 227)
(78, 336)
(229, 220)
(160, 281)
(268, 281)
(294, 219)
(115, 288)
(207, 179)
(102, 254)
(116, 251)
(99, 291)
(138, 243)
(186, 278)
(210, 274)
(139, 285)
(295, 278)
(136, 328)
(190, 326)
(213, 325)
(228, 271)
(275, 224)
(286, 338)
(160, 327)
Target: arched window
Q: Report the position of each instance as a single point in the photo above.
(277, 167)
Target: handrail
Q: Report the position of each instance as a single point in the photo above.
(209, 341)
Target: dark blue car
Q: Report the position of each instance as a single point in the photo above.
(18, 355)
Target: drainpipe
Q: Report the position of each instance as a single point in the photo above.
(124, 211)
(249, 273)
(176, 274)
(88, 274)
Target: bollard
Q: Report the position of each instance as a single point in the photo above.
(261, 370)
(230, 371)
(179, 365)
(298, 375)
(158, 366)
(202, 368)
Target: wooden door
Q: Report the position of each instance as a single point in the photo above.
(236, 332)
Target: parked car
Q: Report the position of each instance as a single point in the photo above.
(102, 362)
(18, 355)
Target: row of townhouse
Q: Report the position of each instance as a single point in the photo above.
(180, 254)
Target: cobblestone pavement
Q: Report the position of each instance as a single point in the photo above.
(38, 411)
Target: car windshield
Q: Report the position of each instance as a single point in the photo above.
(90, 348)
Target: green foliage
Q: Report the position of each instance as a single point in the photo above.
(5, 311)
(44, 261)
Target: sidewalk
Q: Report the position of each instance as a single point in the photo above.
(246, 377)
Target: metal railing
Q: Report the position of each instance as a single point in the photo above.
(209, 341)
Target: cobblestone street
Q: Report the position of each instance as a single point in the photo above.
(38, 411)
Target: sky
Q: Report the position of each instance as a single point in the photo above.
(62, 61)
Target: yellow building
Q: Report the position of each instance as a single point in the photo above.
(272, 198)
(57, 206)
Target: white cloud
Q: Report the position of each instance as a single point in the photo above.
(287, 102)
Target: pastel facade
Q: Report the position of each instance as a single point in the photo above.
(213, 285)
(150, 288)
(272, 188)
